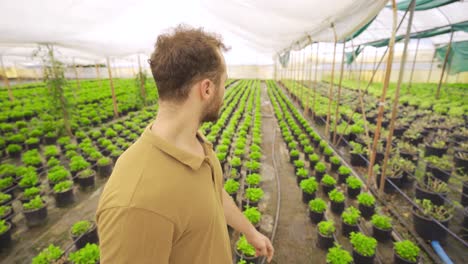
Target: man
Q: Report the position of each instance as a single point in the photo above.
(165, 201)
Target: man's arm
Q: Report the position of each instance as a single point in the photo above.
(239, 222)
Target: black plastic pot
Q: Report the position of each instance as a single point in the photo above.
(366, 211)
(319, 175)
(15, 155)
(299, 179)
(353, 193)
(32, 145)
(399, 260)
(5, 237)
(358, 258)
(50, 140)
(327, 188)
(36, 217)
(8, 215)
(399, 131)
(324, 242)
(315, 217)
(357, 160)
(435, 198)
(337, 208)
(240, 256)
(465, 220)
(438, 173)
(407, 155)
(464, 195)
(428, 229)
(64, 198)
(306, 197)
(381, 234)
(104, 171)
(89, 237)
(246, 202)
(346, 229)
(461, 163)
(433, 151)
(388, 188)
(334, 167)
(292, 159)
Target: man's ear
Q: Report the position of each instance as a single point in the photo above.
(205, 89)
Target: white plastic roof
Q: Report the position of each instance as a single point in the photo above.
(90, 30)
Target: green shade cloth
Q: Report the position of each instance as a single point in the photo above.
(359, 31)
(458, 57)
(422, 4)
(352, 55)
(383, 42)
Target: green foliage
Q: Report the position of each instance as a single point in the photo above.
(104, 161)
(89, 254)
(438, 212)
(253, 179)
(52, 162)
(320, 167)
(299, 163)
(344, 170)
(253, 165)
(3, 226)
(317, 205)
(358, 148)
(302, 172)
(309, 185)
(48, 255)
(221, 156)
(236, 162)
(231, 186)
(328, 180)
(63, 186)
(440, 162)
(337, 255)
(7, 169)
(336, 196)
(4, 197)
(78, 163)
(314, 158)
(407, 250)
(14, 148)
(81, 227)
(254, 194)
(57, 174)
(30, 177)
(4, 209)
(335, 160)
(35, 203)
(32, 140)
(308, 149)
(255, 155)
(366, 199)
(51, 151)
(6, 182)
(351, 215)
(253, 215)
(382, 221)
(326, 228)
(31, 158)
(353, 182)
(244, 247)
(328, 151)
(363, 244)
(294, 153)
(31, 192)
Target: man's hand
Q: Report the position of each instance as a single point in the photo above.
(262, 244)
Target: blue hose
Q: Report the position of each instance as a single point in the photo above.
(440, 251)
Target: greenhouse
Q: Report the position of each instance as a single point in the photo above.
(341, 137)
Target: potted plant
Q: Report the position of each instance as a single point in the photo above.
(436, 147)
(84, 232)
(86, 178)
(6, 212)
(433, 189)
(245, 251)
(57, 174)
(350, 220)
(407, 150)
(32, 143)
(231, 186)
(6, 185)
(328, 152)
(328, 183)
(335, 163)
(87, 255)
(423, 220)
(301, 174)
(14, 151)
(363, 248)
(461, 160)
(77, 164)
(29, 193)
(381, 227)
(440, 167)
(63, 192)
(35, 211)
(337, 255)
(51, 151)
(104, 167)
(405, 252)
(236, 162)
(253, 215)
(253, 166)
(309, 187)
(358, 153)
(337, 199)
(353, 186)
(320, 170)
(325, 239)
(5, 234)
(366, 204)
(5, 198)
(313, 159)
(293, 155)
(252, 197)
(51, 254)
(317, 208)
(253, 180)
(7, 170)
(343, 173)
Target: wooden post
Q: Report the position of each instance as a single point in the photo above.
(447, 53)
(430, 69)
(396, 99)
(330, 90)
(6, 81)
(339, 91)
(315, 79)
(142, 82)
(114, 99)
(76, 75)
(412, 68)
(306, 111)
(388, 71)
(98, 75)
(303, 51)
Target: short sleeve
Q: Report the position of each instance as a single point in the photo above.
(133, 235)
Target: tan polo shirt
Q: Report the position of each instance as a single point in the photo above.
(163, 205)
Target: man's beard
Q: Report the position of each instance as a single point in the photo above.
(212, 112)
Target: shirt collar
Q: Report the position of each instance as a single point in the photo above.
(187, 158)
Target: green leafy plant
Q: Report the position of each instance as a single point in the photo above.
(382, 221)
(302, 172)
(407, 250)
(86, 255)
(328, 180)
(52, 162)
(326, 228)
(32, 158)
(14, 148)
(29, 178)
(236, 162)
(253, 215)
(299, 163)
(78, 163)
(353, 182)
(344, 170)
(438, 212)
(253, 165)
(231, 186)
(336, 196)
(328, 151)
(337, 255)
(81, 227)
(63, 186)
(57, 174)
(314, 158)
(363, 244)
(35, 203)
(244, 247)
(318, 205)
(7, 170)
(4, 197)
(254, 194)
(351, 215)
(320, 167)
(6, 182)
(253, 179)
(49, 255)
(366, 199)
(51, 151)
(3, 226)
(294, 153)
(4, 209)
(104, 161)
(358, 148)
(335, 160)
(440, 162)
(309, 185)
(31, 192)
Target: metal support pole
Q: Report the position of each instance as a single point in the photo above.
(330, 90)
(444, 66)
(114, 99)
(412, 68)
